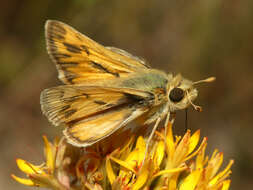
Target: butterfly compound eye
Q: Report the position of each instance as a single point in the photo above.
(176, 94)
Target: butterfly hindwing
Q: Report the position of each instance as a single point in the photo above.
(90, 113)
(81, 60)
(88, 131)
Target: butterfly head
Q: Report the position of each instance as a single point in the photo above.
(182, 93)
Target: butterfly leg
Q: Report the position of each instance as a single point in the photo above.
(150, 138)
(166, 125)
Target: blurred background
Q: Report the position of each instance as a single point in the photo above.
(198, 39)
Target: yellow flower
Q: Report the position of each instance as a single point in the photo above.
(44, 174)
(172, 162)
(166, 161)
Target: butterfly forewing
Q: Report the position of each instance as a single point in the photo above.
(81, 60)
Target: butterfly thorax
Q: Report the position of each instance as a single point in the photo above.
(153, 82)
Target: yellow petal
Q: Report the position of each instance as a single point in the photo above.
(182, 149)
(213, 165)
(39, 180)
(49, 154)
(194, 141)
(191, 180)
(215, 152)
(173, 182)
(159, 153)
(200, 159)
(132, 159)
(177, 139)
(222, 174)
(216, 163)
(123, 164)
(201, 148)
(174, 170)
(46, 180)
(141, 178)
(136, 157)
(170, 141)
(23, 181)
(28, 168)
(226, 185)
(110, 174)
(56, 141)
(141, 148)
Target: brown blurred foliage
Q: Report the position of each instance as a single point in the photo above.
(197, 38)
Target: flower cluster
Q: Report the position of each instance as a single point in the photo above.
(172, 162)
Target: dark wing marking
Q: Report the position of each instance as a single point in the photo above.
(81, 60)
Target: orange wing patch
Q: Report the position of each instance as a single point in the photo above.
(89, 131)
(81, 60)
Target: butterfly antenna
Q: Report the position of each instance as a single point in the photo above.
(196, 107)
(210, 79)
(199, 108)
